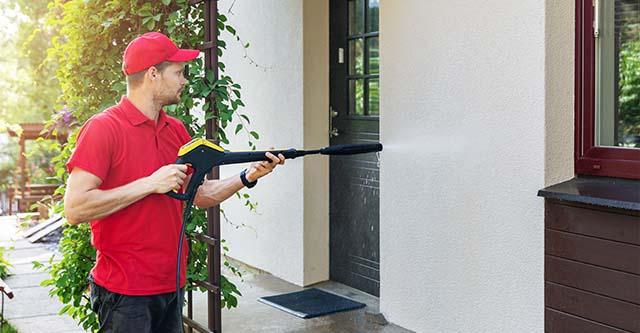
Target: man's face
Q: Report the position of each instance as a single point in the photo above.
(170, 84)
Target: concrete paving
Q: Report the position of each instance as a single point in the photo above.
(252, 316)
(33, 310)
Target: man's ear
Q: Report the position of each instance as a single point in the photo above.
(153, 73)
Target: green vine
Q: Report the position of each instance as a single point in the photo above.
(88, 46)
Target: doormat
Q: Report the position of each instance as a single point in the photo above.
(310, 303)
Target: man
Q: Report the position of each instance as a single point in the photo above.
(119, 172)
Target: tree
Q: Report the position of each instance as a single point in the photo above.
(629, 89)
(30, 90)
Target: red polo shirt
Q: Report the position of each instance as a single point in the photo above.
(136, 246)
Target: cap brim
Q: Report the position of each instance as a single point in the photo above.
(184, 55)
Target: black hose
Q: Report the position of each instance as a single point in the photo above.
(186, 215)
(2, 312)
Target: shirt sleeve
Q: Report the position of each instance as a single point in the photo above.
(93, 149)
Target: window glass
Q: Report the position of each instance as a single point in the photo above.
(356, 17)
(356, 57)
(373, 52)
(363, 58)
(372, 15)
(617, 81)
(374, 97)
(356, 97)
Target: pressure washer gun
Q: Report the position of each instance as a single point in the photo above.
(203, 155)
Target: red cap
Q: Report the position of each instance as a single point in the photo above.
(151, 49)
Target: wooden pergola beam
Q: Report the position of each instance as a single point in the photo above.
(30, 131)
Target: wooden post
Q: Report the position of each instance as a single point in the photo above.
(22, 173)
(213, 213)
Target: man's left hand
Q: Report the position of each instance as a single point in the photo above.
(258, 170)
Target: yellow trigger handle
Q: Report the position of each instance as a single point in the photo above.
(191, 145)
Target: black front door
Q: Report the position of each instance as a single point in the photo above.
(354, 180)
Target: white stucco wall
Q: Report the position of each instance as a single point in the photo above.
(273, 94)
(462, 121)
(316, 127)
(285, 86)
(476, 116)
(560, 90)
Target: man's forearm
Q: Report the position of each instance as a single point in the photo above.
(96, 204)
(213, 192)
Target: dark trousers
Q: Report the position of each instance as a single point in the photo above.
(138, 314)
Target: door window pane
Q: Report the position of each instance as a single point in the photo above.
(356, 16)
(356, 97)
(372, 15)
(374, 97)
(356, 56)
(617, 101)
(373, 52)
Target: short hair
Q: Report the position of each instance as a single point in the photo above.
(134, 80)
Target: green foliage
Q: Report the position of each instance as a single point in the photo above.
(7, 328)
(629, 89)
(69, 276)
(29, 88)
(39, 154)
(33, 40)
(4, 264)
(8, 154)
(90, 39)
(20, 101)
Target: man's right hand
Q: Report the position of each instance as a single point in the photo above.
(168, 178)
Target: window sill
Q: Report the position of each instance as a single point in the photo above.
(598, 191)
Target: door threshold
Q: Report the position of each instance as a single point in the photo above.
(372, 302)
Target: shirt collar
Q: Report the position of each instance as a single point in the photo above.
(136, 117)
(162, 118)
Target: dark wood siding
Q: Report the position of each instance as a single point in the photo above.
(592, 269)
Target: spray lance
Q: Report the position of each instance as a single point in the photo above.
(203, 155)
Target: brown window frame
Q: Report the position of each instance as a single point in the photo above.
(589, 158)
